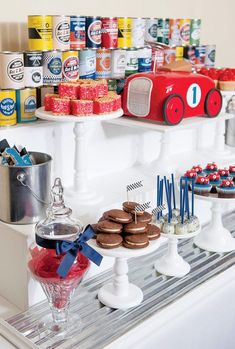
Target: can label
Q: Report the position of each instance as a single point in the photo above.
(157, 58)
(131, 62)
(70, 66)
(40, 32)
(169, 55)
(195, 32)
(93, 32)
(174, 35)
(77, 32)
(118, 62)
(62, 32)
(210, 56)
(26, 104)
(103, 63)
(185, 31)
(109, 32)
(200, 52)
(87, 64)
(179, 53)
(190, 54)
(151, 29)
(7, 108)
(138, 31)
(52, 67)
(33, 69)
(144, 59)
(163, 30)
(124, 32)
(15, 70)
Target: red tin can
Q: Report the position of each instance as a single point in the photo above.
(109, 32)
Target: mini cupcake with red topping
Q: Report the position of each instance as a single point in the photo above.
(226, 189)
(215, 181)
(211, 167)
(227, 80)
(232, 171)
(190, 175)
(198, 169)
(224, 173)
(202, 186)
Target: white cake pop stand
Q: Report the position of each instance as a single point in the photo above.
(81, 191)
(215, 237)
(120, 294)
(172, 264)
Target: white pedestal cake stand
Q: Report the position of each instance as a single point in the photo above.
(172, 264)
(120, 294)
(80, 189)
(215, 237)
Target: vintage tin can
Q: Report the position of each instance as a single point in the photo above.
(174, 34)
(131, 61)
(52, 67)
(70, 65)
(185, 31)
(200, 52)
(93, 32)
(7, 107)
(124, 32)
(157, 58)
(151, 29)
(77, 32)
(41, 92)
(61, 32)
(12, 70)
(118, 63)
(210, 56)
(109, 32)
(88, 63)
(103, 63)
(179, 53)
(138, 32)
(144, 59)
(163, 30)
(112, 85)
(33, 71)
(169, 55)
(190, 54)
(120, 85)
(26, 104)
(195, 31)
(40, 33)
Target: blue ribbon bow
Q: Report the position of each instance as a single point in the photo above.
(71, 248)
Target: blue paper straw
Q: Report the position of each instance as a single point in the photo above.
(181, 196)
(169, 207)
(158, 195)
(184, 199)
(161, 194)
(173, 189)
(187, 202)
(193, 185)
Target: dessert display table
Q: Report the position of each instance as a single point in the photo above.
(215, 237)
(164, 161)
(81, 190)
(172, 264)
(120, 294)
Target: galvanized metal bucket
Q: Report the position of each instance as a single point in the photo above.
(25, 191)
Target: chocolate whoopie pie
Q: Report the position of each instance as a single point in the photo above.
(119, 216)
(109, 240)
(129, 206)
(94, 227)
(136, 241)
(135, 228)
(144, 218)
(153, 232)
(109, 227)
(104, 216)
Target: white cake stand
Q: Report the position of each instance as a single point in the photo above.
(120, 294)
(80, 190)
(172, 264)
(215, 237)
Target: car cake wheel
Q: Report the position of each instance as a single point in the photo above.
(173, 109)
(213, 103)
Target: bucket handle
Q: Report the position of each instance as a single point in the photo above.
(21, 177)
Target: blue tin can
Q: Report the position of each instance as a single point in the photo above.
(77, 32)
(144, 59)
(88, 63)
(52, 67)
(26, 104)
(93, 31)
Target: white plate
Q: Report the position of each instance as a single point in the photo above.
(182, 236)
(49, 116)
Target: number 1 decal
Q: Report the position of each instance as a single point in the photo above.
(193, 96)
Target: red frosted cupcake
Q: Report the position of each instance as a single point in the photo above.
(224, 173)
(202, 186)
(232, 171)
(226, 189)
(215, 181)
(211, 167)
(198, 169)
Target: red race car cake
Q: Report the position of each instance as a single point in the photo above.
(170, 96)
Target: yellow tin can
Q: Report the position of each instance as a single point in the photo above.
(70, 65)
(179, 53)
(124, 32)
(26, 104)
(185, 31)
(7, 107)
(40, 33)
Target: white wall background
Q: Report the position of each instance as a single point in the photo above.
(217, 18)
